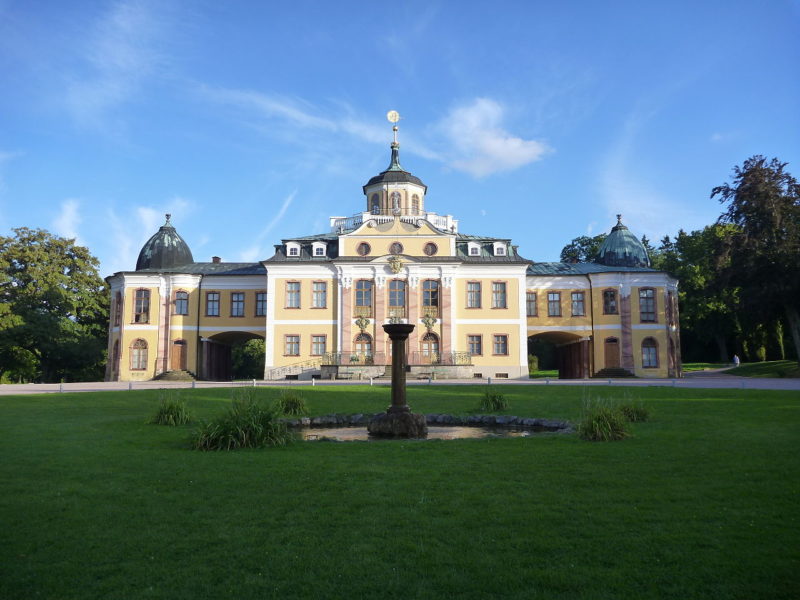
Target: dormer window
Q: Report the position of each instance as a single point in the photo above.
(499, 249)
(319, 249)
(474, 249)
(292, 249)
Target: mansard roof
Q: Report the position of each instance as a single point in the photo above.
(561, 268)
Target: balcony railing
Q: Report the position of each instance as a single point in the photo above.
(440, 358)
(408, 215)
(430, 311)
(362, 311)
(396, 312)
(355, 358)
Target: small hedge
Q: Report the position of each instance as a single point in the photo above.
(247, 424)
(172, 410)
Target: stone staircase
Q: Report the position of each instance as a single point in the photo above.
(613, 373)
(176, 376)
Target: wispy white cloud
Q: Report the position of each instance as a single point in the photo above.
(480, 146)
(117, 57)
(255, 251)
(68, 220)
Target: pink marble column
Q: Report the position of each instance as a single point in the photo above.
(379, 316)
(413, 318)
(347, 320)
(445, 296)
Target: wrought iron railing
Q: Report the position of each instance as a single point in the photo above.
(440, 358)
(362, 311)
(430, 311)
(293, 369)
(396, 312)
(355, 359)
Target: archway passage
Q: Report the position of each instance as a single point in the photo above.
(573, 354)
(216, 354)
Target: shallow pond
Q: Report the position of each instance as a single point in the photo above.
(355, 434)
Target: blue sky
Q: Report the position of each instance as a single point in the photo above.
(254, 121)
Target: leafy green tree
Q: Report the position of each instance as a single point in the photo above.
(583, 248)
(248, 360)
(53, 309)
(763, 246)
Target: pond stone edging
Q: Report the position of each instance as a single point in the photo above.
(509, 421)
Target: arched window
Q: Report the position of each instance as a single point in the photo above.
(141, 309)
(138, 355)
(181, 303)
(375, 205)
(649, 353)
(362, 345)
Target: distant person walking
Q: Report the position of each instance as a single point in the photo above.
(735, 360)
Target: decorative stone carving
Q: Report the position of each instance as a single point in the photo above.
(395, 264)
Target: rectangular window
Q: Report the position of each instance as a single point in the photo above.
(292, 294)
(499, 294)
(578, 309)
(647, 305)
(319, 251)
(473, 294)
(292, 345)
(141, 309)
(500, 344)
(363, 307)
(181, 303)
(319, 294)
(261, 304)
(318, 345)
(554, 304)
(530, 304)
(609, 302)
(649, 354)
(475, 345)
(117, 309)
(237, 304)
(212, 304)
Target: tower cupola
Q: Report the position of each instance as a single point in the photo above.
(164, 250)
(395, 191)
(622, 249)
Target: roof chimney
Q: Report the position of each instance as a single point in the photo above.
(216, 259)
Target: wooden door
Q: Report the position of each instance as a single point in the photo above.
(179, 355)
(612, 353)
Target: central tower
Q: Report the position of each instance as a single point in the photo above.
(395, 191)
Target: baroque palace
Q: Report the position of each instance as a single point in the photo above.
(320, 302)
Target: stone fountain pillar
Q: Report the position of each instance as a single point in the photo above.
(398, 420)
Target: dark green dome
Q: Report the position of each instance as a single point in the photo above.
(395, 173)
(165, 250)
(622, 249)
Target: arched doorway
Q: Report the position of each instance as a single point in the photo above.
(216, 354)
(429, 348)
(571, 354)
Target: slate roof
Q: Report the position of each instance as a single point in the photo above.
(560, 268)
(211, 268)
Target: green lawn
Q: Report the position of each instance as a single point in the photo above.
(770, 368)
(702, 366)
(700, 503)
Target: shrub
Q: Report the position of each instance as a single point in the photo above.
(602, 422)
(247, 424)
(171, 410)
(493, 401)
(634, 411)
(292, 403)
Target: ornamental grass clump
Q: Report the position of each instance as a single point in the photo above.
(634, 411)
(172, 410)
(493, 401)
(602, 421)
(292, 403)
(247, 424)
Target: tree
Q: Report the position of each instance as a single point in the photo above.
(763, 247)
(53, 308)
(583, 248)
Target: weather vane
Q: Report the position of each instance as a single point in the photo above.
(393, 117)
